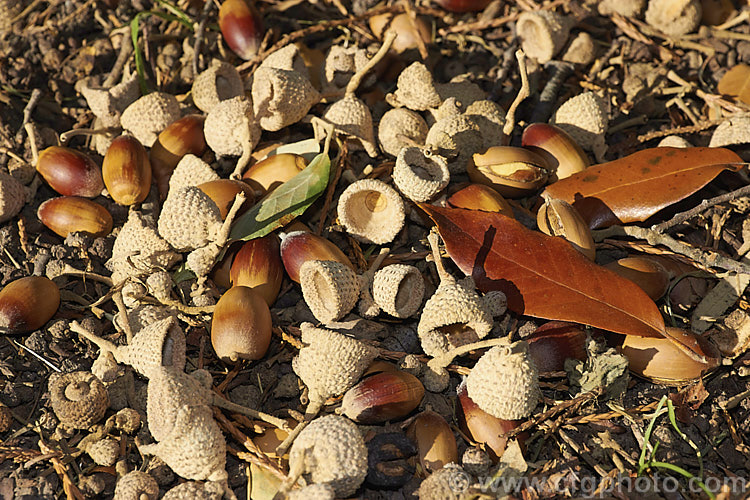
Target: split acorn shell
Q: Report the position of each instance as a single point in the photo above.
(26, 304)
(70, 172)
(563, 154)
(241, 326)
(512, 172)
(68, 214)
(126, 170)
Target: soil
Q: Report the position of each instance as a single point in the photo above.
(572, 441)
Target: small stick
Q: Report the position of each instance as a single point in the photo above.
(119, 301)
(351, 87)
(126, 49)
(704, 205)
(69, 134)
(200, 30)
(36, 95)
(434, 240)
(510, 117)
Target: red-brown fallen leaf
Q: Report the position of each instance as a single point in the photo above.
(637, 186)
(543, 276)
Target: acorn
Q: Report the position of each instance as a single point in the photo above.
(297, 247)
(563, 155)
(560, 218)
(126, 170)
(220, 272)
(270, 173)
(408, 31)
(223, 192)
(479, 197)
(181, 137)
(26, 304)
(554, 342)
(70, 172)
(512, 172)
(242, 27)
(436, 443)
(647, 273)
(241, 326)
(68, 214)
(463, 5)
(257, 265)
(381, 397)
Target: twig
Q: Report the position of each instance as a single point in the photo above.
(126, 49)
(200, 30)
(36, 95)
(705, 257)
(704, 205)
(356, 80)
(510, 117)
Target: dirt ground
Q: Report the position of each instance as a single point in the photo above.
(655, 85)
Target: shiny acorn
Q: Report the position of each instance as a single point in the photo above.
(560, 218)
(68, 214)
(482, 427)
(126, 170)
(463, 5)
(70, 172)
(436, 443)
(241, 325)
(272, 172)
(563, 155)
(241, 26)
(181, 137)
(26, 304)
(384, 396)
(512, 172)
(479, 197)
(297, 247)
(554, 342)
(407, 32)
(647, 273)
(257, 265)
(224, 191)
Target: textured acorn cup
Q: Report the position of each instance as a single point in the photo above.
(70, 172)
(242, 27)
(479, 197)
(436, 443)
(69, 214)
(181, 137)
(662, 360)
(384, 396)
(648, 274)
(330, 289)
(298, 247)
(512, 172)
(563, 155)
(26, 304)
(126, 170)
(482, 427)
(272, 172)
(241, 326)
(224, 191)
(257, 265)
(371, 211)
(79, 399)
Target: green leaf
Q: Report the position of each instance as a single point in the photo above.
(286, 202)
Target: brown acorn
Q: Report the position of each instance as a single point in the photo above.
(463, 5)
(241, 326)
(257, 265)
(479, 197)
(272, 172)
(645, 272)
(298, 247)
(436, 443)
(224, 191)
(381, 397)
(563, 154)
(242, 27)
(26, 304)
(554, 342)
(70, 172)
(181, 137)
(126, 170)
(68, 214)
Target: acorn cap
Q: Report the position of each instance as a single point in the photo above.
(627, 8)
(496, 302)
(12, 197)
(734, 130)
(543, 33)
(104, 452)
(195, 449)
(281, 97)
(138, 249)
(156, 345)
(330, 451)
(398, 289)
(149, 115)
(446, 483)
(159, 285)
(463, 91)
(108, 104)
(581, 50)
(397, 124)
(419, 174)
(230, 127)
(191, 171)
(191, 490)
(289, 58)
(218, 83)
(490, 118)
(584, 118)
(79, 399)
(674, 17)
(330, 289)
(189, 219)
(169, 389)
(415, 89)
(504, 382)
(457, 138)
(352, 117)
(313, 492)
(454, 316)
(371, 211)
(340, 65)
(329, 363)
(136, 485)
(126, 420)
(145, 314)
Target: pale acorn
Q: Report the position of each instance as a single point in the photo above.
(79, 399)
(398, 289)
(371, 211)
(505, 382)
(419, 174)
(149, 115)
(281, 97)
(218, 83)
(330, 289)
